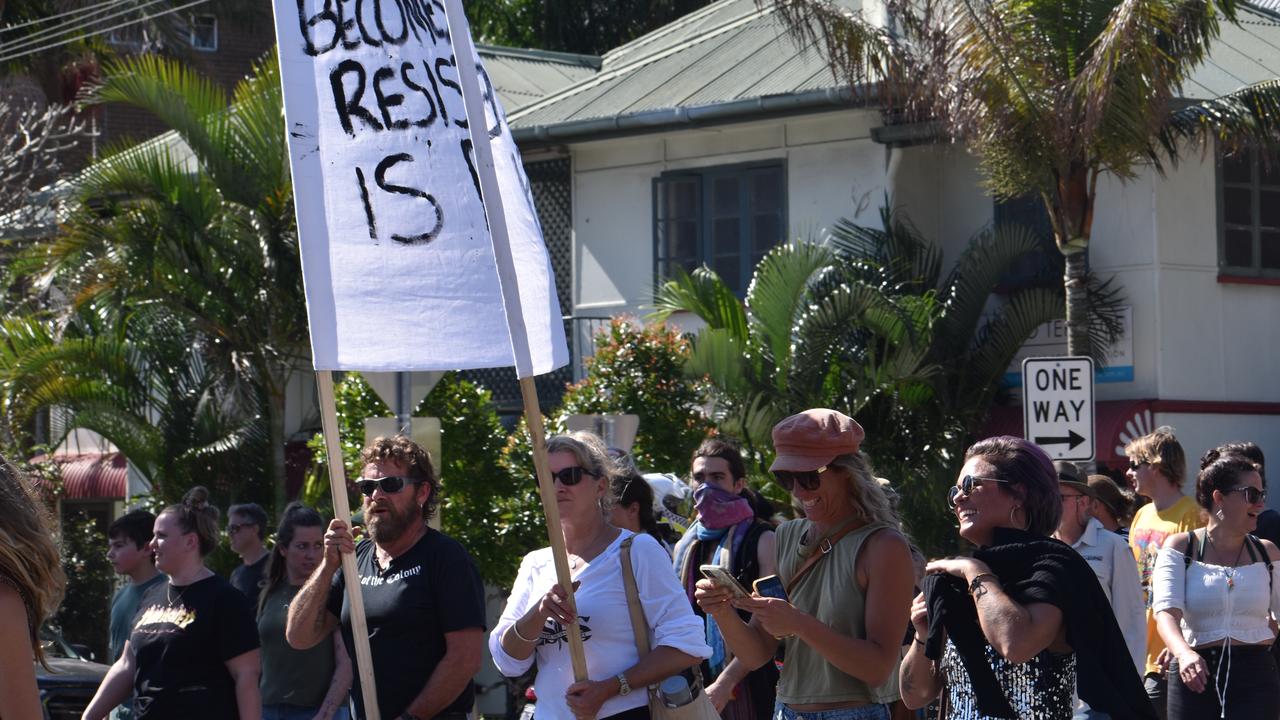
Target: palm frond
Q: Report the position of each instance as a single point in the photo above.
(776, 295)
(1248, 117)
(704, 294)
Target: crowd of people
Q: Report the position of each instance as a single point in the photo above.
(1081, 599)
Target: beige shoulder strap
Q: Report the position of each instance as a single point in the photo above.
(639, 625)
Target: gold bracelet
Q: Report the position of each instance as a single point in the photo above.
(515, 628)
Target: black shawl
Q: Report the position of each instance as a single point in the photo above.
(1035, 569)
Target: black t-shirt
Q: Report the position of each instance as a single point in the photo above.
(432, 589)
(248, 578)
(182, 638)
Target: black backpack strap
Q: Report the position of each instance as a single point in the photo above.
(1191, 549)
(1258, 551)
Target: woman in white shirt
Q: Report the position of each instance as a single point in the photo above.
(1214, 597)
(532, 626)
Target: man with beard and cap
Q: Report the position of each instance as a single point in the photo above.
(728, 533)
(423, 598)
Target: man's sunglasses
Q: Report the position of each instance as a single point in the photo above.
(1135, 464)
(967, 485)
(809, 479)
(389, 485)
(1252, 495)
(570, 476)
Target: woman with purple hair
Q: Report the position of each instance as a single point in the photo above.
(1007, 632)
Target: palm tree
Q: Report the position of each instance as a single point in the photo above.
(1050, 94)
(210, 237)
(140, 381)
(870, 325)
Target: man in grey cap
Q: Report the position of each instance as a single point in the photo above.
(1109, 556)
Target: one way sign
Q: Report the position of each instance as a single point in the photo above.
(1057, 406)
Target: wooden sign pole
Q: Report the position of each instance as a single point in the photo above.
(342, 511)
(551, 511)
(490, 191)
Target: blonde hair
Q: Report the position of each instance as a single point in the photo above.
(593, 456)
(1162, 451)
(870, 501)
(28, 557)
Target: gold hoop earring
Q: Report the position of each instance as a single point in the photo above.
(1013, 522)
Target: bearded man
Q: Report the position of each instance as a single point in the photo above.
(423, 597)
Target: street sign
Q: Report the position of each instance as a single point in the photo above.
(1057, 406)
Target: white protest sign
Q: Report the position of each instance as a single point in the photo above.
(397, 260)
(1057, 406)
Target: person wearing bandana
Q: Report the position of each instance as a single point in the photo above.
(728, 533)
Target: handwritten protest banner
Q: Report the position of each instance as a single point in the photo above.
(397, 258)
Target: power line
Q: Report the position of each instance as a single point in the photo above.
(144, 18)
(90, 10)
(68, 29)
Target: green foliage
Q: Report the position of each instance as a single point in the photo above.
(576, 26)
(83, 615)
(639, 369)
(871, 326)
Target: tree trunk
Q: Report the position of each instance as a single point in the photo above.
(1074, 282)
(275, 424)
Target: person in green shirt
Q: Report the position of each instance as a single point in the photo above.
(129, 552)
(307, 684)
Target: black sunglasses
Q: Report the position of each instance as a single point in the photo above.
(570, 476)
(390, 485)
(809, 479)
(967, 485)
(1252, 495)
(1135, 464)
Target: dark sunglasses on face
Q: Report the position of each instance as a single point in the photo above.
(967, 485)
(1135, 464)
(390, 485)
(570, 476)
(1252, 495)
(809, 480)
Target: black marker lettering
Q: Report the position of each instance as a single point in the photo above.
(350, 107)
(404, 75)
(305, 24)
(369, 40)
(380, 177)
(345, 26)
(449, 62)
(382, 27)
(368, 209)
(435, 88)
(475, 177)
(387, 101)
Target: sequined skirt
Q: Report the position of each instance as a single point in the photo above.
(1040, 689)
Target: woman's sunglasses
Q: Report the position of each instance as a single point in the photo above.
(570, 476)
(809, 480)
(1252, 495)
(967, 485)
(390, 485)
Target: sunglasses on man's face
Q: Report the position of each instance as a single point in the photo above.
(809, 479)
(1252, 495)
(967, 485)
(389, 485)
(1135, 464)
(570, 476)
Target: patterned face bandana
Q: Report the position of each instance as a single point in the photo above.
(718, 508)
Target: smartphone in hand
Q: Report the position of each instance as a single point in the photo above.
(770, 587)
(723, 579)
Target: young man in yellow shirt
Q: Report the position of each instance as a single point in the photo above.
(1158, 469)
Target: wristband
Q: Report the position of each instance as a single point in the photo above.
(515, 628)
(978, 580)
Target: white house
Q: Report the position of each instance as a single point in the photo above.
(716, 137)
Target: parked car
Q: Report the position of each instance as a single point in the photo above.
(67, 690)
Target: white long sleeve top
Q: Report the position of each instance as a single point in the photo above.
(1112, 561)
(1211, 609)
(606, 625)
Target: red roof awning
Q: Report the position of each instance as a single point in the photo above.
(91, 476)
(1116, 422)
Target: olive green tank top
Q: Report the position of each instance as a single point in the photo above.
(831, 594)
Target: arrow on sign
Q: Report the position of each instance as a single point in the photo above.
(1071, 440)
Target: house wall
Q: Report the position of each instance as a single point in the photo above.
(1194, 337)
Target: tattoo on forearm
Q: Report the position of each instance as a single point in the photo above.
(979, 592)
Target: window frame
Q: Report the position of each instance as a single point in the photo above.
(704, 177)
(191, 33)
(1255, 188)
